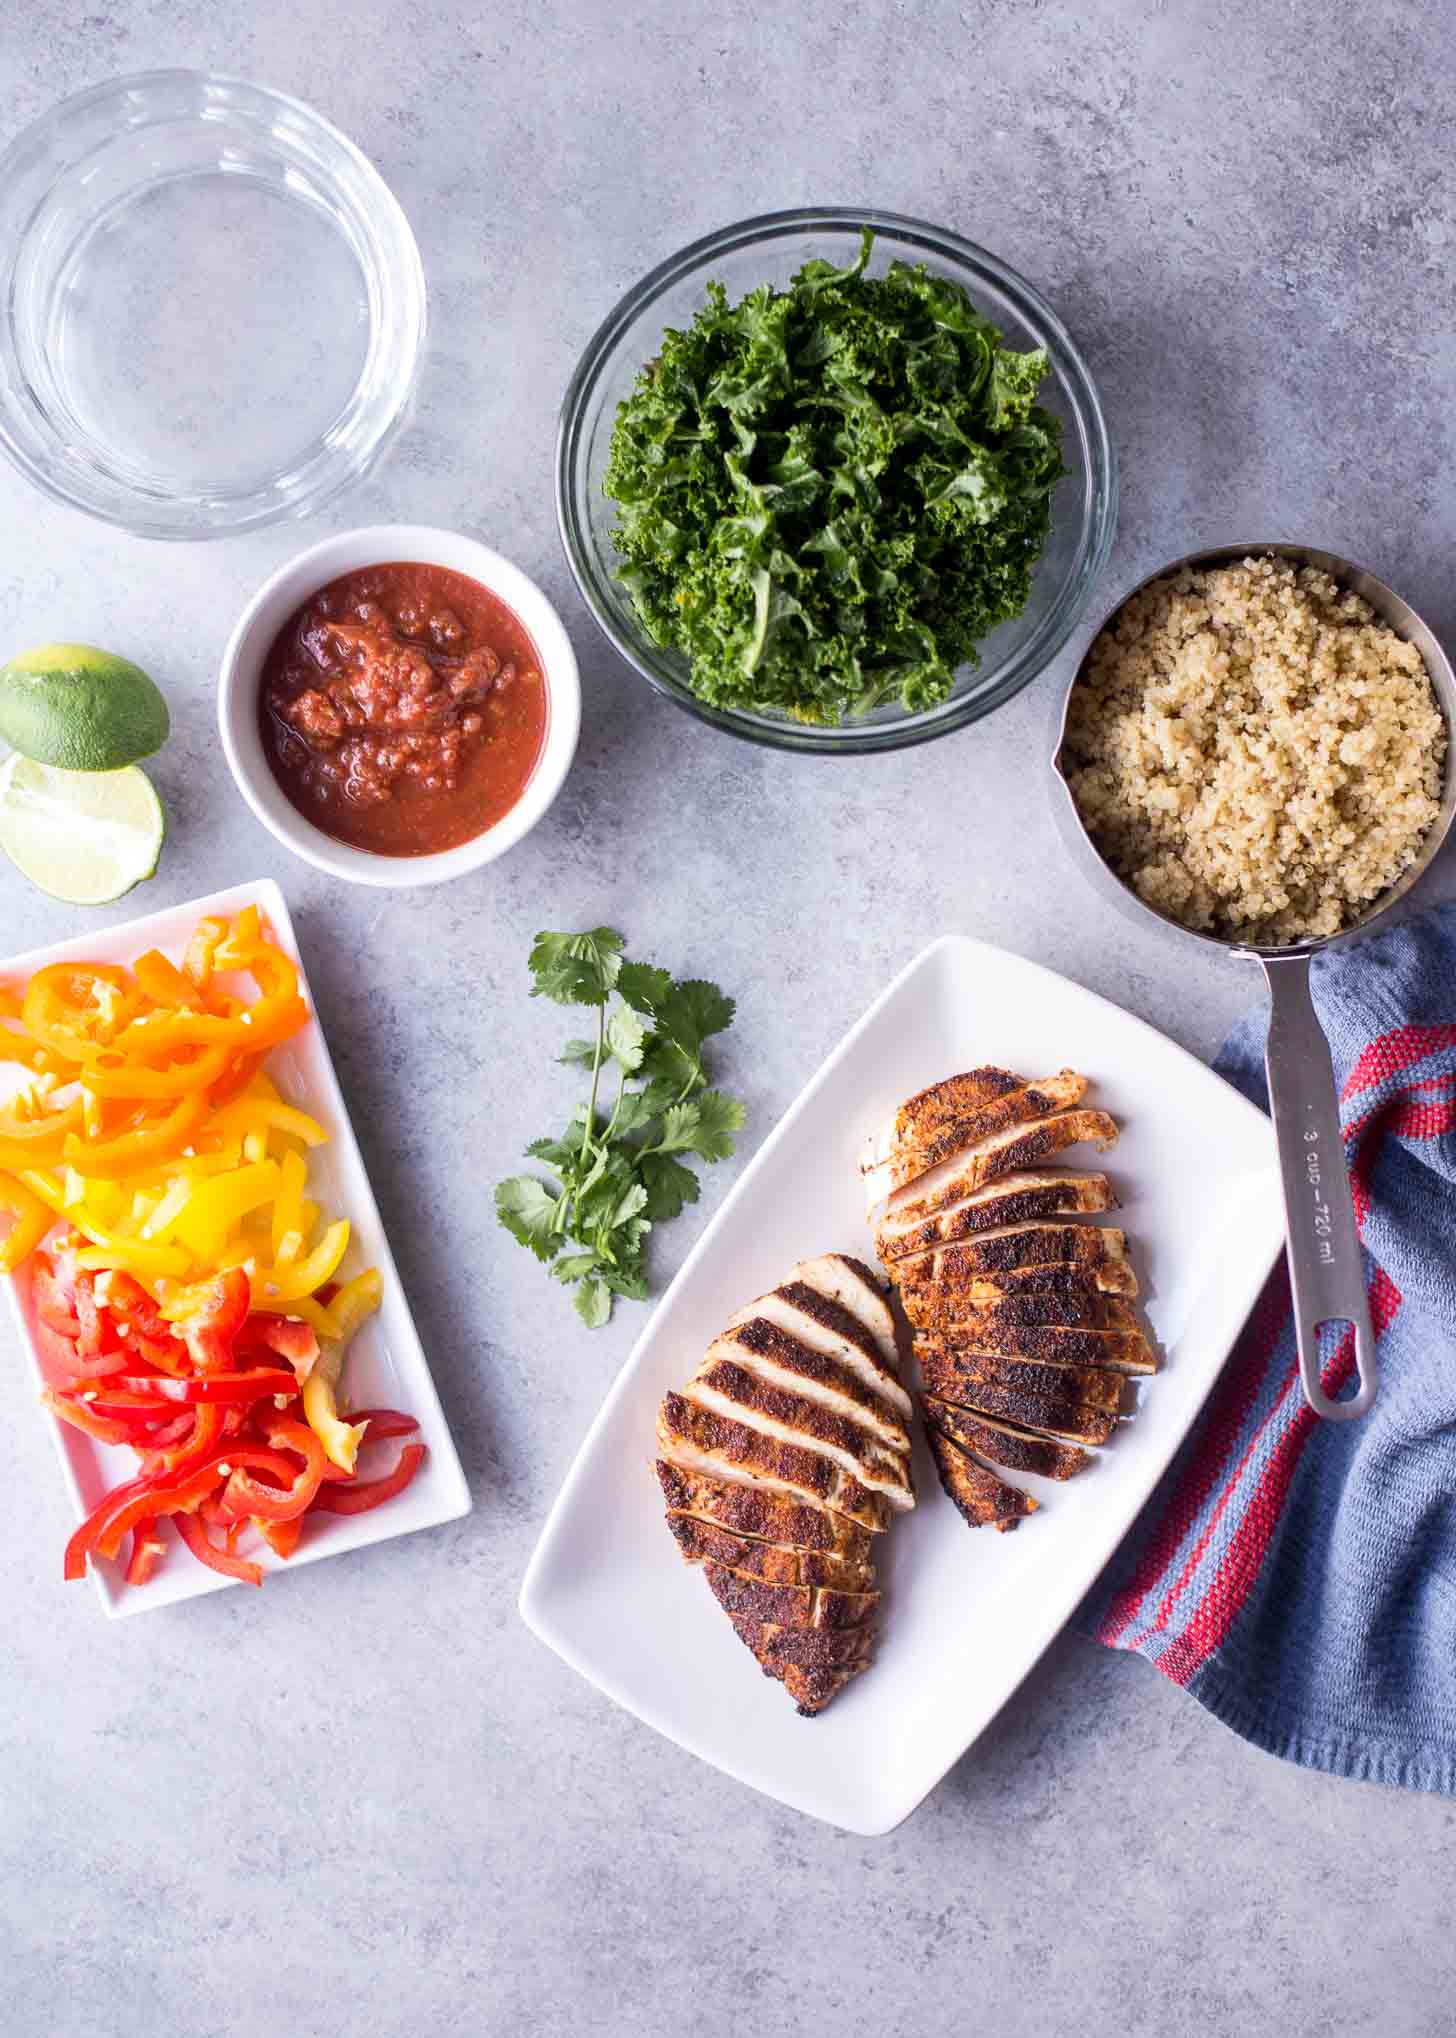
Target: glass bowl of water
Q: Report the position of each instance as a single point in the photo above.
(212, 308)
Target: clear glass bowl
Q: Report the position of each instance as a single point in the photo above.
(770, 249)
(211, 307)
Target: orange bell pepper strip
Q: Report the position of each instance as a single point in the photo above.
(140, 1149)
(164, 983)
(16, 1044)
(110, 1073)
(75, 1007)
(37, 1142)
(197, 963)
(32, 1221)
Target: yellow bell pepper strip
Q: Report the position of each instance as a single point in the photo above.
(32, 1221)
(286, 1234)
(164, 983)
(289, 1284)
(140, 1149)
(132, 1255)
(340, 1439)
(37, 1142)
(355, 1302)
(74, 1007)
(266, 1114)
(308, 1311)
(218, 1204)
(111, 1073)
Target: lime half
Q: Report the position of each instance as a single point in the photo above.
(82, 836)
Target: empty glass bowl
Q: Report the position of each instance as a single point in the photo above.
(769, 250)
(211, 307)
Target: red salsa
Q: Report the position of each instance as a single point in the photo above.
(403, 709)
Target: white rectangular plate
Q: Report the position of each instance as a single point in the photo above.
(965, 1614)
(385, 1367)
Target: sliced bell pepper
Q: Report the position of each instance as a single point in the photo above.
(75, 1007)
(218, 1205)
(289, 1337)
(85, 1538)
(209, 1316)
(207, 936)
(288, 1284)
(147, 1552)
(132, 1152)
(247, 1496)
(164, 983)
(107, 1429)
(362, 1495)
(157, 1390)
(189, 1450)
(37, 1142)
(384, 1423)
(32, 1221)
(110, 1073)
(206, 1551)
(183, 1496)
(340, 1439)
(280, 1536)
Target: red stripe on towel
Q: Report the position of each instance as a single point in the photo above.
(1392, 1052)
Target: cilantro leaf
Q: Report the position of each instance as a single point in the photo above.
(576, 969)
(594, 1302)
(528, 1213)
(719, 1117)
(626, 1037)
(669, 1186)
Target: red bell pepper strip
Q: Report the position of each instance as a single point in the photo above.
(183, 1498)
(247, 1496)
(211, 1329)
(203, 1432)
(51, 1297)
(85, 1538)
(205, 1550)
(280, 1536)
(107, 1429)
(359, 1496)
(162, 1390)
(287, 1337)
(383, 1423)
(147, 1551)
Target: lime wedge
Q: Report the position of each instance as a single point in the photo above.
(82, 836)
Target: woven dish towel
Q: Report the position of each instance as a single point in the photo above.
(1298, 1578)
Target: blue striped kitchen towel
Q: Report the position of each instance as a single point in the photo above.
(1299, 1577)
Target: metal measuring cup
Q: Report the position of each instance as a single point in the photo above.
(1325, 1268)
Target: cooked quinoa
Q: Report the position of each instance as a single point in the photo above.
(1254, 751)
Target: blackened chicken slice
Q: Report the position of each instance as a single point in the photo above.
(703, 1542)
(701, 1441)
(1087, 1386)
(767, 1515)
(974, 1165)
(963, 1109)
(786, 1361)
(1005, 1443)
(1058, 1344)
(732, 1391)
(794, 1606)
(853, 1286)
(1026, 1255)
(827, 1327)
(1020, 1198)
(980, 1496)
(1063, 1306)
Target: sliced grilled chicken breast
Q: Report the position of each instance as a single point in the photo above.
(1018, 1450)
(768, 1516)
(979, 1495)
(974, 1165)
(960, 1111)
(732, 1391)
(812, 1664)
(1073, 1307)
(827, 1327)
(704, 1542)
(793, 1606)
(1077, 1246)
(842, 1279)
(703, 1441)
(1087, 1386)
(1067, 1421)
(1018, 1198)
(787, 1361)
(1123, 1351)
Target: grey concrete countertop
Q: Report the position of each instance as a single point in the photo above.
(366, 1800)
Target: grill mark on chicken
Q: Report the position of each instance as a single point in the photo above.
(1123, 1351)
(1003, 1443)
(797, 1606)
(1013, 1199)
(787, 1362)
(975, 1165)
(979, 1495)
(961, 1112)
(703, 1541)
(804, 1313)
(767, 1516)
(733, 1391)
(1071, 1307)
(701, 1440)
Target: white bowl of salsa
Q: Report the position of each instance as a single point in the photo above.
(399, 705)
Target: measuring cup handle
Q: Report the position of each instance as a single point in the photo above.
(1325, 1268)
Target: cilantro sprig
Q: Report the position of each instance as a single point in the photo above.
(620, 1166)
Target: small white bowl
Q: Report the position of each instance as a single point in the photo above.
(286, 591)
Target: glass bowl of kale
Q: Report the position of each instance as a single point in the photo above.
(835, 481)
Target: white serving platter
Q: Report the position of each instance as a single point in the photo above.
(385, 1367)
(965, 1615)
